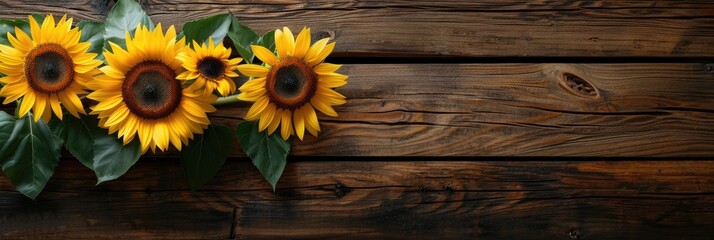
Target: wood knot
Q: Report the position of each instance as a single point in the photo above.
(449, 189)
(324, 34)
(578, 86)
(341, 190)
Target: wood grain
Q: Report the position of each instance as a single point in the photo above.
(451, 28)
(652, 110)
(541, 199)
(524, 110)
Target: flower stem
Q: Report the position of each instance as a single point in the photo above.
(226, 100)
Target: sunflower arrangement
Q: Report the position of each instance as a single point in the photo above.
(108, 92)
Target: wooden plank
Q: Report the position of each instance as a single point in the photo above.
(452, 28)
(541, 199)
(527, 110)
(651, 110)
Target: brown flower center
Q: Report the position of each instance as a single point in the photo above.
(211, 67)
(151, 90)
(49, 68)
(291, 83)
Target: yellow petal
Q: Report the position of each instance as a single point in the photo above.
(253, 85)
(299, 122)
(161, 135)
(267, 117)
(146, 132)
(226, 87)
(257, 108)
(187, 75)
(253, 70)
(39, 108)
(68, 104)
(118, 116)
(321, 105)
(302, 44)
(55, 104)
(289, 40)
(310, 118)
(322, 55)
(316, 49)
(286, 126)
(281, 44)
(12, 92)
(47, 114)
(332, 80)
(264, 55)
(326, 68)
(277, 117)
(47, 25)
(35, 29)
(26, 104)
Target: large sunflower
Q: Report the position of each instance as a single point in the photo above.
(210, 67)
(292, 84)
(139, 94)
(47, 68)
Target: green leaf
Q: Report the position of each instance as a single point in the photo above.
(268, 40)
(206, 154)
(7, 123)
(124, 17)
(242, 37)
(31, 155)
(93, 32)
(215, 27)
(111, 157)
(268, 152)
(5, 27)
(78, 136)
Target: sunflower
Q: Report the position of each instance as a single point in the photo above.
(291, 85)
(47, 68)
(210, 67)
(138, 92)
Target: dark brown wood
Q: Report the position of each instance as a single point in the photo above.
(451, 28)
(647, 130)
(651, 110)
(542, 199)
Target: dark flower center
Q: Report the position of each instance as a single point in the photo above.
(151, 90)
(289, 80)
(211, 67)
(291, 83)
(49, 68)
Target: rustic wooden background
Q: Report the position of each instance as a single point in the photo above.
(466, 119)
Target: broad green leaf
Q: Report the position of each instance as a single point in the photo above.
(215, 27)
(124, 17)
(268, 152)
(111, 157)
(242, 37)
(78, 136)
(7, 123)
(93, 32)
(31, 155)
(5, 27)
(268, 40)
(206, 154)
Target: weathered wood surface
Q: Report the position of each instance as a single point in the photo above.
(651, 110)
(452, 28)
(661, 113)
(541, 199)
